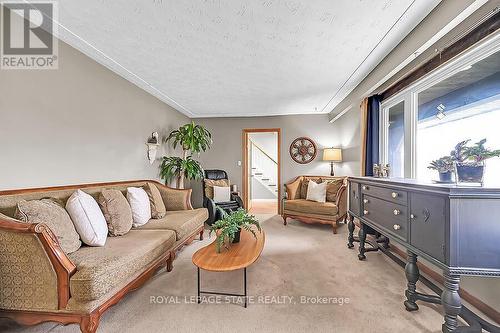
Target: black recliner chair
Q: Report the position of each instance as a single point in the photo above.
(214, 213)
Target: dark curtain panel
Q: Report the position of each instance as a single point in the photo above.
(372, 133)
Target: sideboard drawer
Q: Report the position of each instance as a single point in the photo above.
(385, 193)
(391, 216)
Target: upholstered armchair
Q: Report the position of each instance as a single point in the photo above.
(218, 178)
(330, 212)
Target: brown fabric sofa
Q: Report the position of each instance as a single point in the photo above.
(331, 212)
(39, 282)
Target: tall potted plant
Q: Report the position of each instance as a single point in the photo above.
(445, 167)
(192, 139)
(470, 160)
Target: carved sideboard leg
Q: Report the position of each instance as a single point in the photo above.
(450, 299)
(362, 239)
(284, 219)
(350, 227)
(412, 275)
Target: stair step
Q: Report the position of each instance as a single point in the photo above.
(254, 168)
(265, 179)
(271, 185)
(258, 173)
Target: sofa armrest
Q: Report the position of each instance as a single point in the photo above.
(175, 199)
(31, 253)
(341, 200)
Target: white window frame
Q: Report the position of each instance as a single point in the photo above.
(409, 95)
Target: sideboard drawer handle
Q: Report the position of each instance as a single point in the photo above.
(397, 227)
(396, 211)
(412, 216)
(365, 187)
(365, 212)
(366, 201)
(395, 195)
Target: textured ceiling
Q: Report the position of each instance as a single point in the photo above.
(210, 58)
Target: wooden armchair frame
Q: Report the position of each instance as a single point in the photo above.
(65, 268)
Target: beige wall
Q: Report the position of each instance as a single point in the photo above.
(227, 148)
(80, 123)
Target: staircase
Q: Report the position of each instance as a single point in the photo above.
(264, 169)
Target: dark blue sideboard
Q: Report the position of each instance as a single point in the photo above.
(456, 228)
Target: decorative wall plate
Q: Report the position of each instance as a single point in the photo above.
(303, 150)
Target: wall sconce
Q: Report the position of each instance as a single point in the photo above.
(153, 145)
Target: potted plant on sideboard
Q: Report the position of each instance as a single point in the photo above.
(228, 229)
(470, 160)
(191, 138)
(445, 167)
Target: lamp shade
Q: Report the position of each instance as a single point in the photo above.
(332, 154)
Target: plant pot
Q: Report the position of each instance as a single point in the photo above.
(470, 173)
(445, 177)
(237, 236)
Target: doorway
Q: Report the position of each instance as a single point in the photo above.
(262, 170)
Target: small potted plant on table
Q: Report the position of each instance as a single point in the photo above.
(228, 229)
(445, 167)
(470, 160)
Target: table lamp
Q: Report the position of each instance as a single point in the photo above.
(332, 155)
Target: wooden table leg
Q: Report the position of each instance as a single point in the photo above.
(245, 282)
(199, 298)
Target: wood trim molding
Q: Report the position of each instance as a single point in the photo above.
(63, 266)
(245, 185)
(437, 277)
(482, 31)
(313, 220)
(81, 186)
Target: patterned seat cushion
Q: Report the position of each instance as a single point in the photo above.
(121, 259)
(182, 222)
(312, 207)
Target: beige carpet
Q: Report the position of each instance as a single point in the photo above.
(299, 260)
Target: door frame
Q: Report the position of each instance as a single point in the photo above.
(245, 133)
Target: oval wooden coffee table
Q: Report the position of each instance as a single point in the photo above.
(238, 256)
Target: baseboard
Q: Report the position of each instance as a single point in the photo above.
(466, 296)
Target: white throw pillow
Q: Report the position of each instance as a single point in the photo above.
(316, 192)
(222, 194)
(88, 218)
(141, 208)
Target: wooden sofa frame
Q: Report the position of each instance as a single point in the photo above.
(341, 195)
(64, 267)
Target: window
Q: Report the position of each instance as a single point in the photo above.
(394, 129)
(457, 102)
